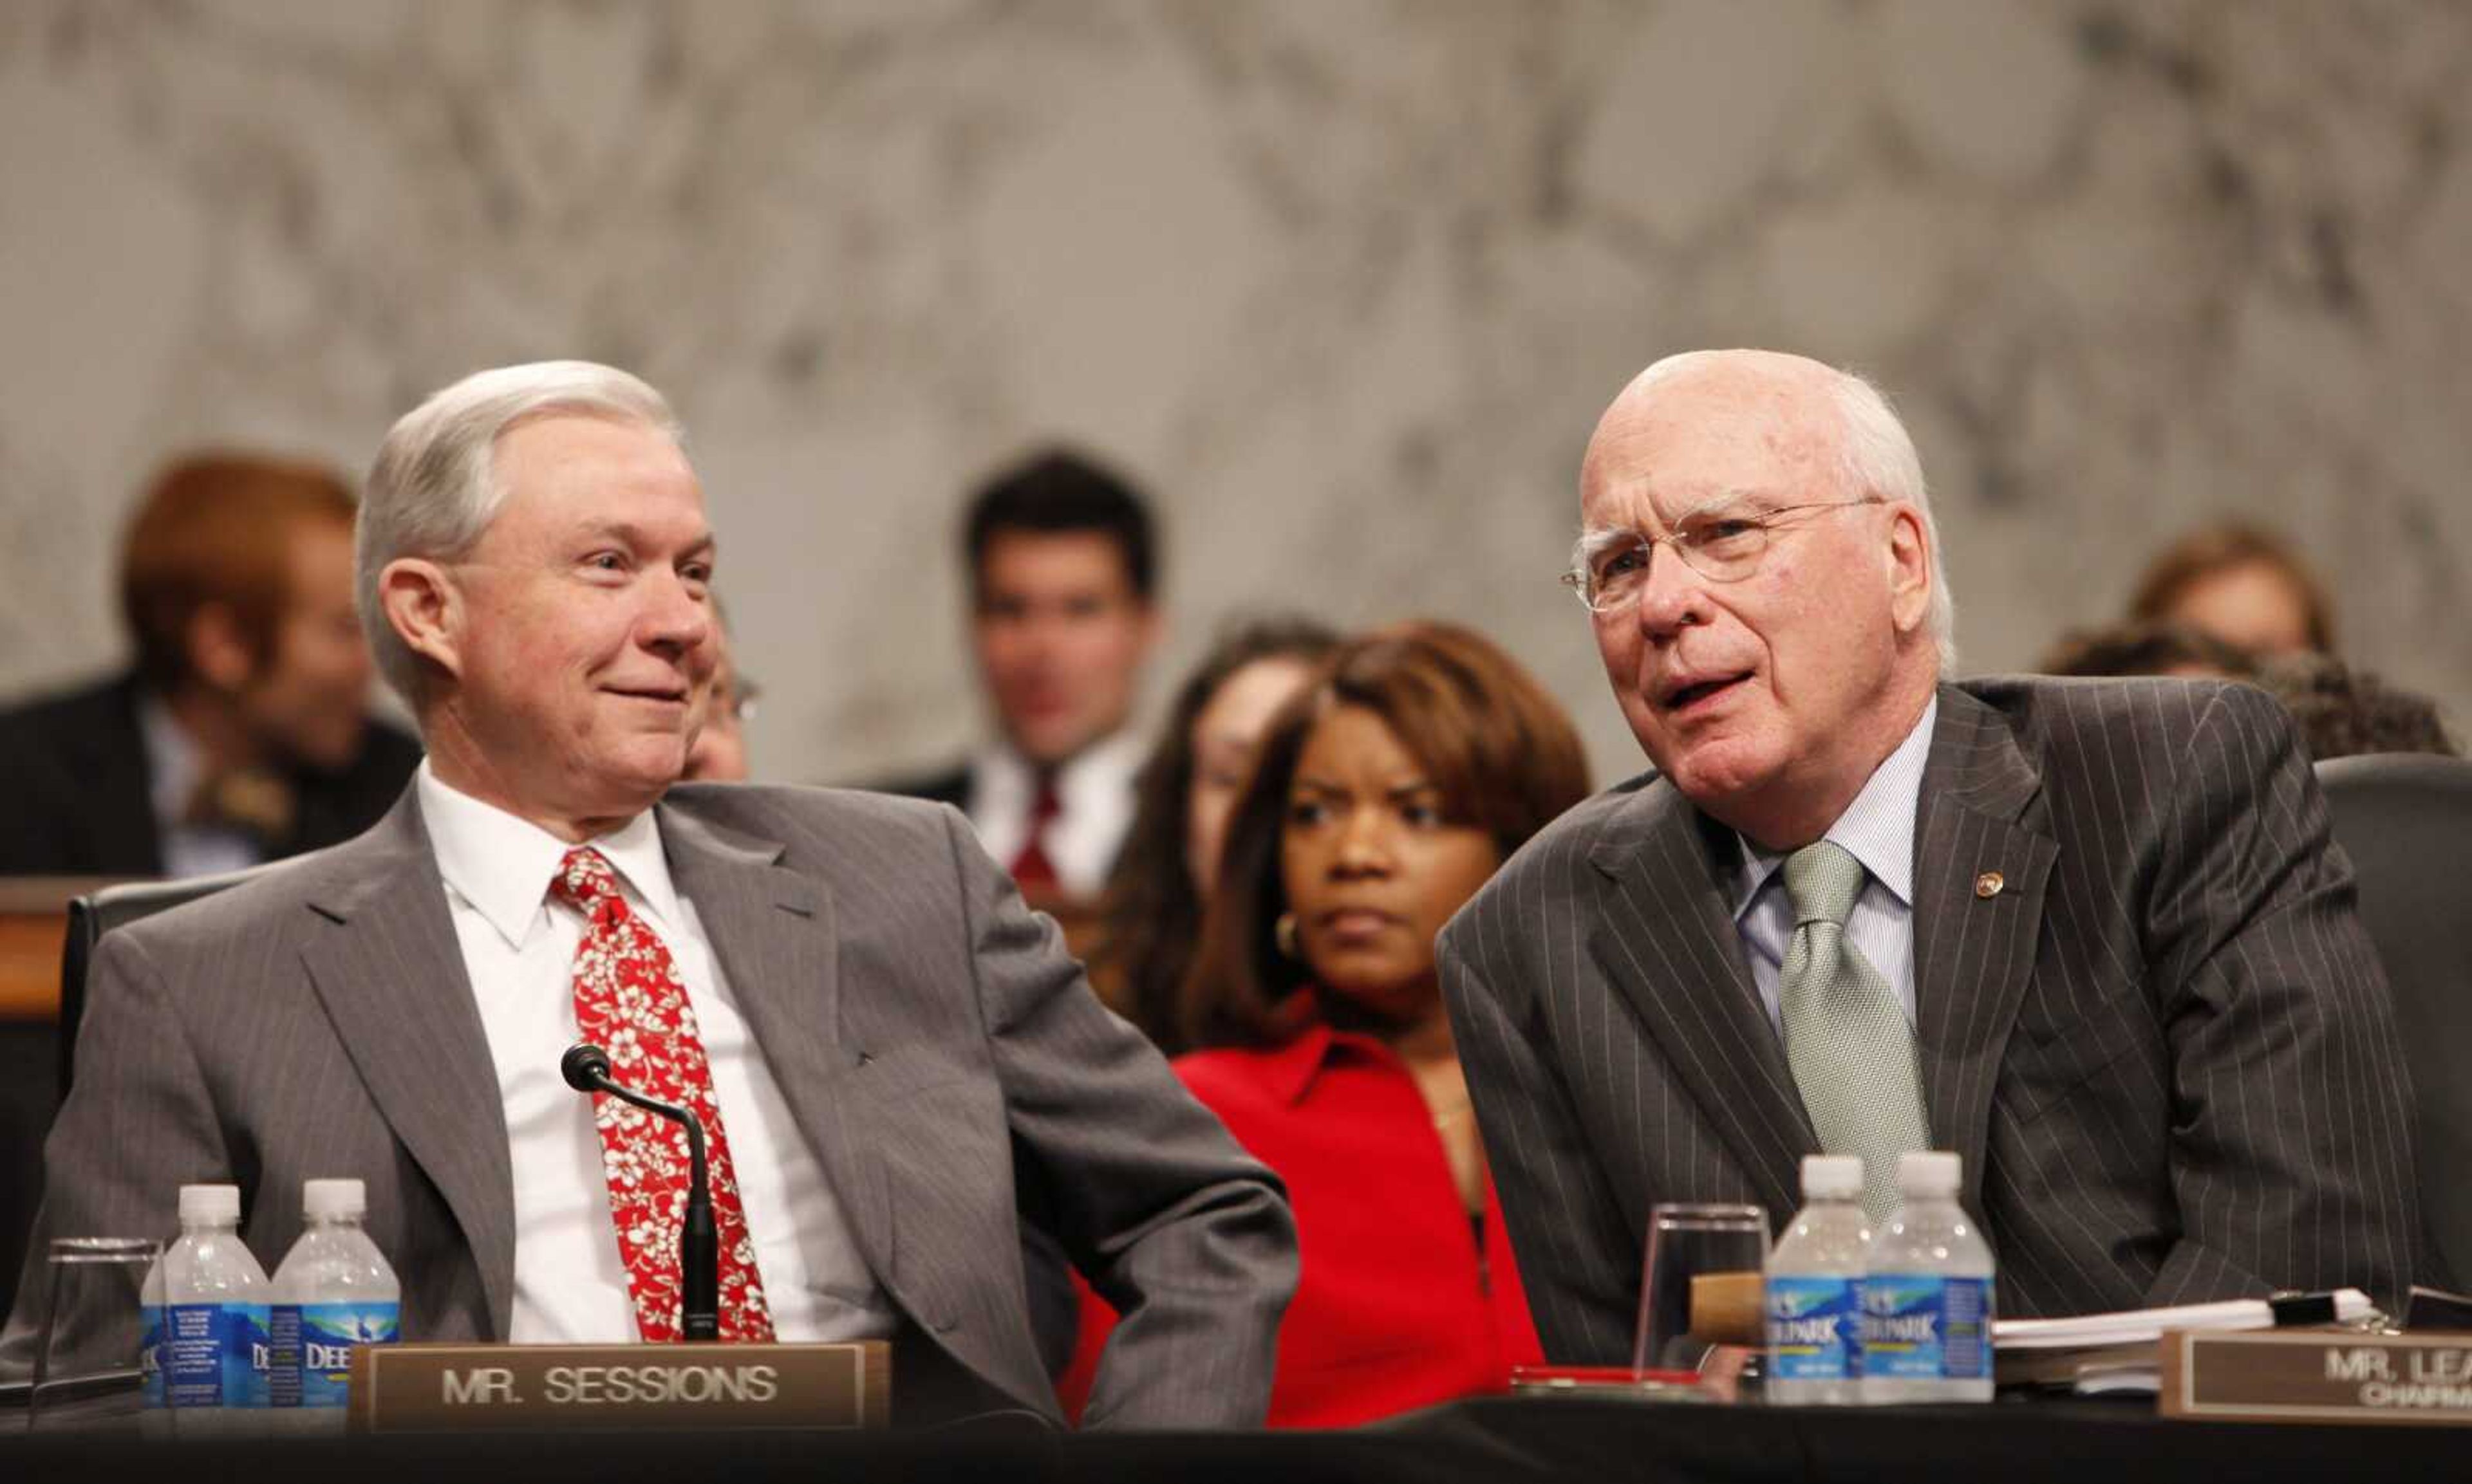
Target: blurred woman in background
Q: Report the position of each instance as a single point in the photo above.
(1417, 760)
(1152, 915)
(2241, 585)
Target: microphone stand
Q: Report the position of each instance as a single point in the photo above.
(587, 1070)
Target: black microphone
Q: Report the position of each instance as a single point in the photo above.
(585, 1066)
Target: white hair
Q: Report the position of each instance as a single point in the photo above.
(435, 488)
(1876, 460)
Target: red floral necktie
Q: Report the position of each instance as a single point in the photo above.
(630, 1002)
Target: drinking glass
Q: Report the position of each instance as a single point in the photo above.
(1718, 1250)
(90, 1355)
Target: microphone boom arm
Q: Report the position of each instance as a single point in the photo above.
(587, 1070)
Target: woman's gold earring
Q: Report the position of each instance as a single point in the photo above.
(1284, 933)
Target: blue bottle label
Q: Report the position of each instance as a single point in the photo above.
(1815, 1329)
(149, 1357)
(1927, 1328)
(214, 1354)
(313, 1345)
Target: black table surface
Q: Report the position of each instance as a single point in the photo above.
(1491, 1439)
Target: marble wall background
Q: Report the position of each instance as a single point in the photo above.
(1348, 280)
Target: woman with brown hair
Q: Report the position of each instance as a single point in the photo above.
(1389, 791)
(1152, 916)
(2241, 585)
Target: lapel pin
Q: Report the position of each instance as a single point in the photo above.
(1987, 884)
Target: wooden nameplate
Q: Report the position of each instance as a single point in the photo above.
(566, 1388)
(2318, 1375)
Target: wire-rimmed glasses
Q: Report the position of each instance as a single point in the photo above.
(1722, 543)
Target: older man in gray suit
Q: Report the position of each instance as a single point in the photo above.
(2091, 935)
(903, 1075)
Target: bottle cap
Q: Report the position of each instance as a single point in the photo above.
(1930, 1173)
(332, 1198)
(1831, 1175)
(216, 1203)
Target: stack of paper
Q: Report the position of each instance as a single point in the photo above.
(2101, 1355)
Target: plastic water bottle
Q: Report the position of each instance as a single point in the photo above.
(1814, 1289)
(213, 1318)
(1927, 1296)
(333, 1294)
(156, 1420)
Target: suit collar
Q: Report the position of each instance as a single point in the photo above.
(391, 978)
(1984, 853)
(1667, 940)
(119, 807)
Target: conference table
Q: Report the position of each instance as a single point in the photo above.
(1489, 1439)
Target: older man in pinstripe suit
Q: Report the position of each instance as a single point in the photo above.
(2090, 934)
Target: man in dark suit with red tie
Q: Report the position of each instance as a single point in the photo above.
(903, 1076)
(2092, 935)
(1062, 564)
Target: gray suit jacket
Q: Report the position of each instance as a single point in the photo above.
(941, 1051)
(2164, 1047)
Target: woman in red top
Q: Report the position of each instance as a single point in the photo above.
(1383, 797)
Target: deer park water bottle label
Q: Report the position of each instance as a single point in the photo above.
(1815, 1328)
(213, 1354)
(150, 1355)
(1926, 1328)
(313, 1345)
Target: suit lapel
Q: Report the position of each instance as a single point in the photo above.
(1981, 817)
(391, 978)
(1668, 941)
(120, 807)
(774, 931)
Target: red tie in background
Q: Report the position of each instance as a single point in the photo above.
(629, 1001)
(1030, 868)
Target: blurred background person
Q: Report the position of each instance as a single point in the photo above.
(2343, 712)
(2241, 583)
(242, 732)
(2147, 649)
(1384, 796)
(719, 751)
(1062, 566)
(1152, 919)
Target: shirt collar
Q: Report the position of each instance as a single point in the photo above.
(1877, 829)
(1291, 1068)
(1087, 777)
(174, 763)
(504, 864)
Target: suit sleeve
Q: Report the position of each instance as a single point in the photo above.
(2291, 1160)
(138, 1123)
(1578, 1259)
(1187, 1236)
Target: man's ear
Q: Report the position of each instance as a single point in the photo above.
(425, 610)
(1912, 567)
(220, 654)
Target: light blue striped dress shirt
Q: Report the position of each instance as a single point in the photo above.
(1878, 829)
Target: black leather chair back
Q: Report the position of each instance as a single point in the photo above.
(2406, 821)
(93, 916)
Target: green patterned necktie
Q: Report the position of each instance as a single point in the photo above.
(1847, 1037)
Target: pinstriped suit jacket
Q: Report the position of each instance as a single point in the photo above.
(939, 1049)
(2164, 1048)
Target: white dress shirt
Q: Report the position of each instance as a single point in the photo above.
(1876, 828)
(174, 770)
(1094, 796)
(519, 946)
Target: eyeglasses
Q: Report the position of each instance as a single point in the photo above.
(1725, 544)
